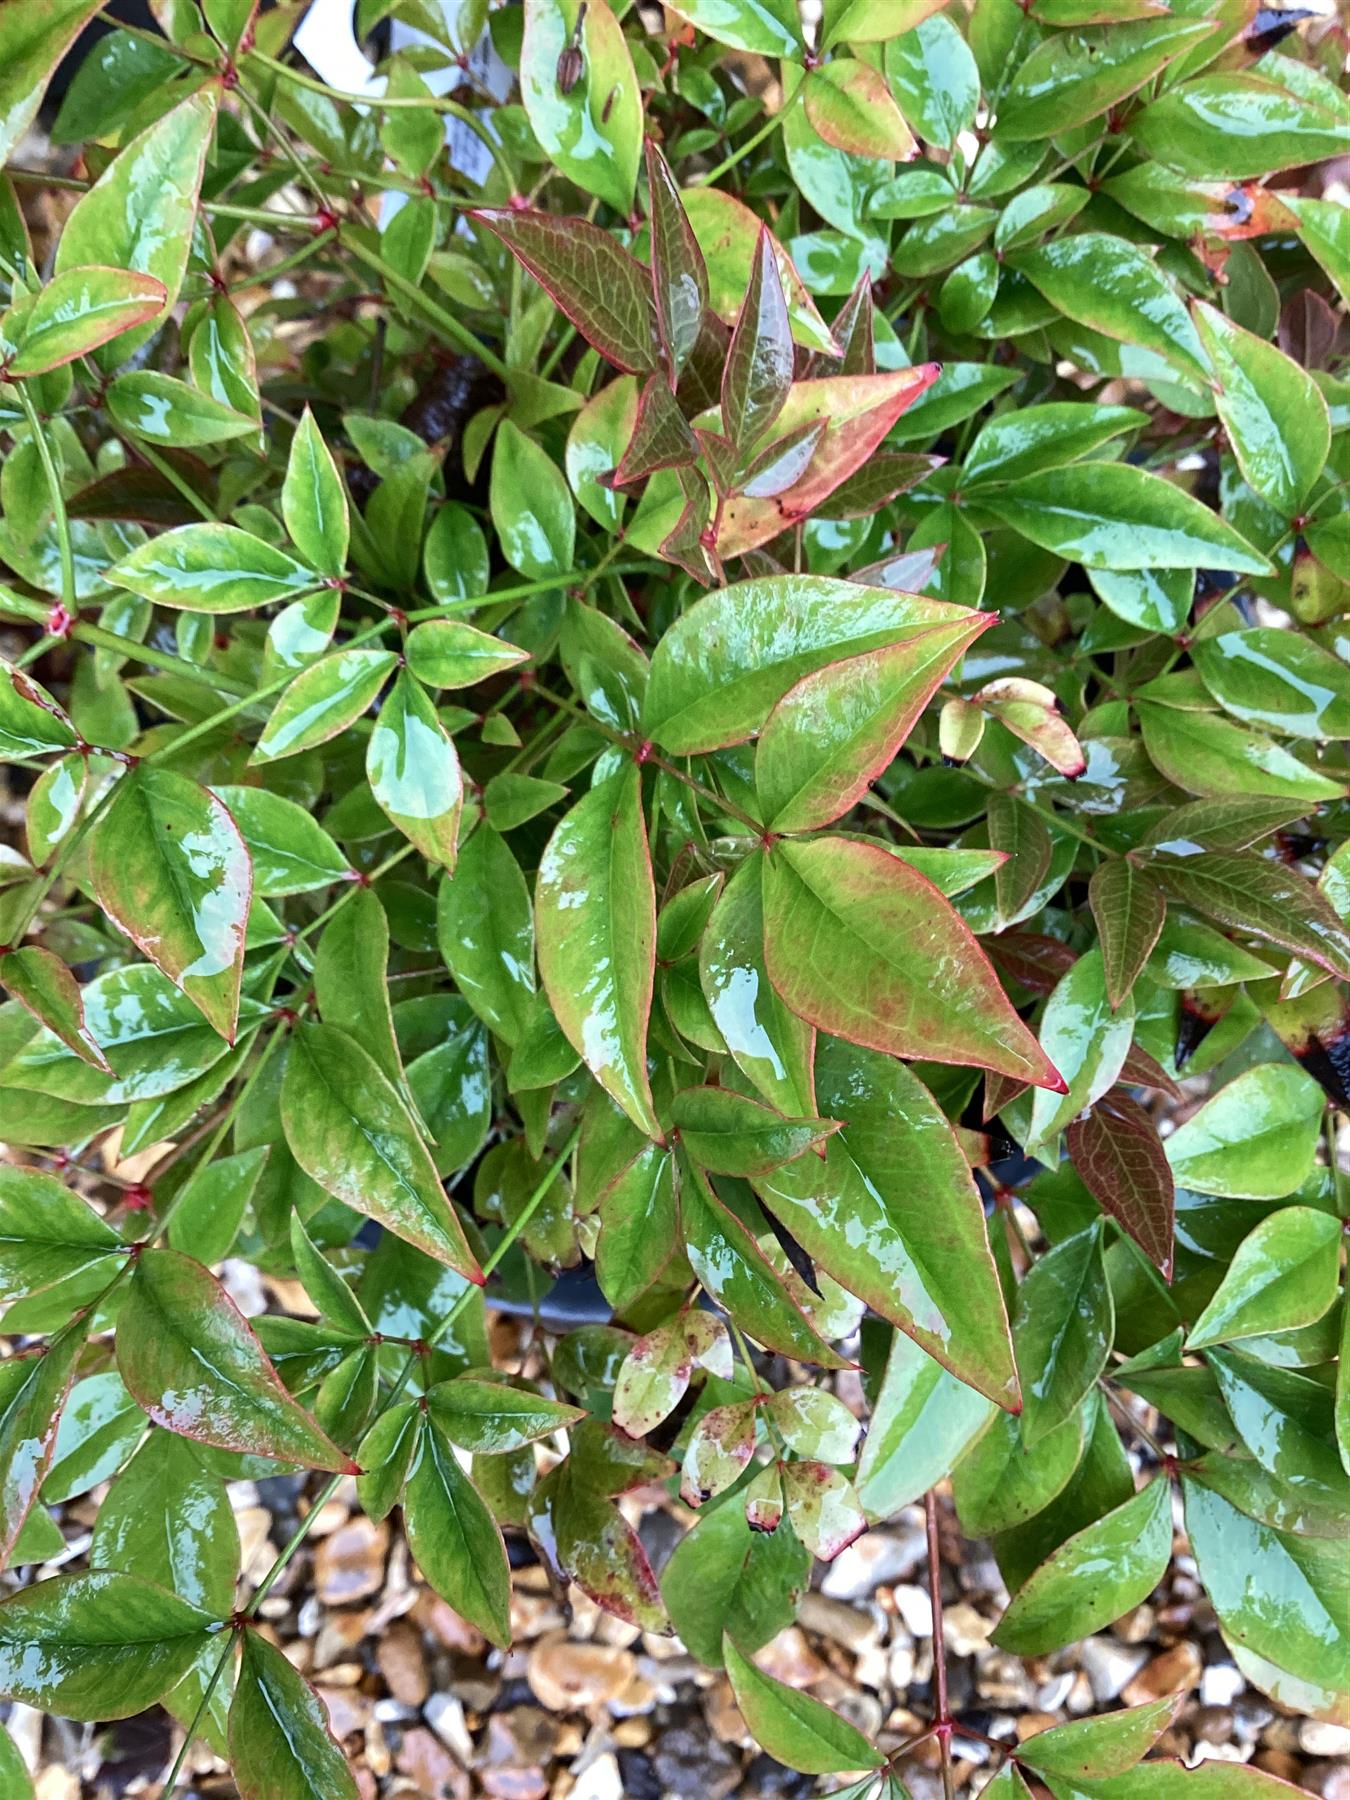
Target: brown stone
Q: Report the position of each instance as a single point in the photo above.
(349, 1564)
(426, 1761)
(566, 1676)
(1172, 1669)
(399, 1654)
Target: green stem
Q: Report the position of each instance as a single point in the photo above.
(446, 323)
(58, 499)
(171, 1779)
(753, 142)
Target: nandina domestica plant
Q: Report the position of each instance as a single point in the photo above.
(727, 668)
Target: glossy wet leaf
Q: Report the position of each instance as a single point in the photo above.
(32, 1395)
(211, 568)
(1276, 680)
(638, 1226)
(349, 1131)
(758, 370)
(314, 501)
(1100, 1573)
(450, 653)
(849, 104)
(1062, 1331)
(795, 1728)
(934, 78)
(604, 291)
(725, 1577)
(454, 1539)
(1098, 1747)
(838, 728)
(47, 1233)
(769, 27)
(727, 232)
(33, 44)
(168, 863)
(592, 126)
(1072, 77)
(191, 1359)
(1087, 1039)
(414, 772)
(80, 310)
(31, 721)
(1284, 1418)
(485, 929)
(100, 1645)
(922, 1420)
(322, 701)
(1129, 908)
(596, 915)
(167, 1519)
(1255, 1139)
(43, 984)
(833, 905)
(290, 851)
(1111, 516)
(1234, 125)
(655, 1375)
(1002, 1481)
(892, 1213)
(531, 506)
(1117, 1151)
(731, 1134)
(1033, 438)
(159, 409)
(1283, 1275)
(491, 1419)
(281, 1740)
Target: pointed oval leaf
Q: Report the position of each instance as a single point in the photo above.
(861, 945)
(281, 1741)
(595, 909)
(323, 700)
(491, 1419)
(314, 501)
(794, 1727)
(1117, 1151)
(349, 1131)
(169, 865)
(191, 1359)
(78, 311)
(290, 851)
(1062, 1331)
(211, 568)
(413, 770)
(1255, 1139)
(1283, 1274)
(450, 653)
(731, 1134)
(455, 1541)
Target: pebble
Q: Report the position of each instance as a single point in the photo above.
(400, 1659)
(1317, 1737)
(1173, 1669)
(1220, 1684)
(691, 1765)
(566, 1676)
(875, 1560)
(916, 1609)
(445, 1715)
(964, 1631)
(349, 1563)
(1109, 1665)
(852, 1627)
(427, 1763)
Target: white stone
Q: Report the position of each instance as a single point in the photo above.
(916, 1609)
(1220, 1684)
(875, 1560)
(601, 1780)
(1319, 1738)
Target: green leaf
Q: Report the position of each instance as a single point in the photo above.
(314, 501)
(719, 671)
(46, 987)
(163, 410)
(80, 310)
(414, 773)
(1282, 1596)
(727, 232)
(14, 1776)
(448, 653)
(1097, 1747)
(290, 851)
(1129, 909)
(654, 1376)
(1235, 125)
(595, 1546)
(639, 1226)
(740, 1278)
(771, 1046)
(101, 1645)
(1285, 1420)
(1102, 1480)
(1256, 1139)
(1099, 1574)
(47, 1233)
(1113, 516)
(757, 373)
(531, 506)
(590, 125)
(32, 43)
(385, 1454)
(169, 865)
(454, 1539)
(1062, 1331)
(1072, 77)
(793, 1727)
(1272, 410)
(31, 722)
(926, 1266)
(140, 213)
(485, 930)
(351, 980)
(603, 290)
(212, 569)
(595, 908)
(724, 1577)
(1123, 1164)
(1031, 439)
(100, 1427)
(1002, 1481)
(934, 77)
(281, 1741)
(764, 27)
(838, 728)
(1278, 679)
(1208, 755)
(922, 1420)
(193, 1362)
(1283, 1275)
(861, 945)
(1088, 1040)
(322, 701)
(1118, 289)
(33, 1390)
(850, 106)
(349, 1131)
(167, 1519)
(491, 1419)
(730, 1134)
